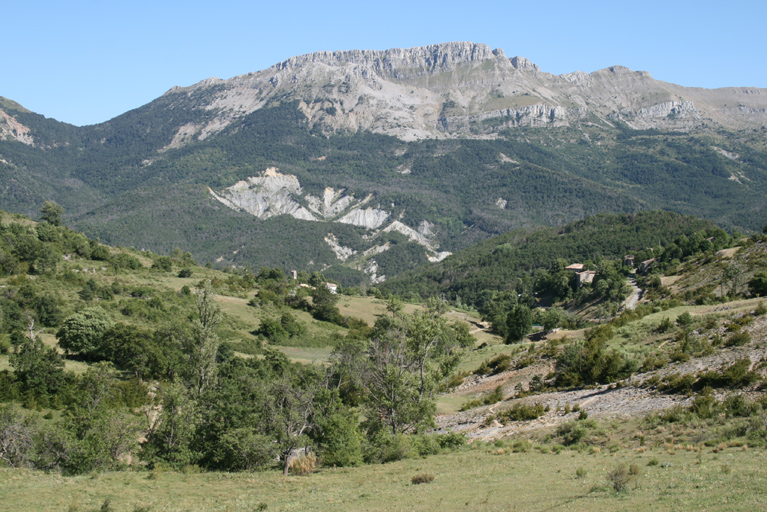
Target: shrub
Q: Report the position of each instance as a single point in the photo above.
(736, 375)
(675, 383)
(705, 404)
(451, 440)
(581, 472)
(521, 446)
(498, 364)
(494, 397)
(522, 412)
(737, 339)
(243, 449)
(100, 253)
(572, 432)
(386, 447)
(653, 362)
(422, 478)
(739, 406)
(303, 464)
(619, 478)
(163, 263)
(425, 445)
(664, 325)
(684, 320)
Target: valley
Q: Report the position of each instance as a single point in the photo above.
(434, 277)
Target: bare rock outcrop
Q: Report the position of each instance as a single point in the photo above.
(462, 89)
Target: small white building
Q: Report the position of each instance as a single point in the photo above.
(332, 287)
(585, 277)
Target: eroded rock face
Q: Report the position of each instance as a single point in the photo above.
(266, 196)
(11, 129)
(453, 89)
(273, 193)
(370, 218)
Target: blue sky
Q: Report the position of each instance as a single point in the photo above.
(84, 62)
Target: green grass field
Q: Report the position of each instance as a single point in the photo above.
(481, 478)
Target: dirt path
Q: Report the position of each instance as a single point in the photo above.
(636, 293)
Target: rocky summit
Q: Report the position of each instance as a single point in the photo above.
(449, 90)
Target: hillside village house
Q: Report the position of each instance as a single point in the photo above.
(585, 277)
(581, 274)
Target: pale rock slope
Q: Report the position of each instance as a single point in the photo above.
(462, 89)
(273, 193)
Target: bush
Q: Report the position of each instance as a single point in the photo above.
(100, 253)
(572, 432)
(422, 478)
(664, 325)
(451, 440)
(739, 406)
(705, 404)
(522, 412)
(386, 447)
(425, 445)
(243, 449)
(163, 263)
(621, 476)
(498, 364)
(303, 464)
(738, 339)
(736, 375)
(684, 320)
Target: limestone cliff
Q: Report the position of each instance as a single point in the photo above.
(462, 89)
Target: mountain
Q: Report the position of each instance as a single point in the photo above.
(365, 164)
(458, 89)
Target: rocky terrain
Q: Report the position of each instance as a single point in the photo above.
(462, 89)
(633, 397)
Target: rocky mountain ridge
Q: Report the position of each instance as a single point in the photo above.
(462, 89)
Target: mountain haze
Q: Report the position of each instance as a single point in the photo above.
(367, 163)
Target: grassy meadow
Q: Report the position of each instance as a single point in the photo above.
(479, 477)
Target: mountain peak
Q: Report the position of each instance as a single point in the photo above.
(433, 58)
(457, 89)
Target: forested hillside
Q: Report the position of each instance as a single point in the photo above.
(113, 358)
(116, 184)
(525, 260)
